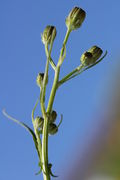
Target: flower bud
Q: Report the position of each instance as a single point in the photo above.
(53, 129)
(86, 58)
(53, 116)
(39, 122)
(91, 56)
(39, 79)
(49, 34)
(75, 18)
(96, 52)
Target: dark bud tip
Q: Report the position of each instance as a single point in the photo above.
(91, 56)
(53, 129)
(39, 79)
(53, 116)
(49, 34)
(75, 18)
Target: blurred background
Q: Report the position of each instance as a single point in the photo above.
(87, 146)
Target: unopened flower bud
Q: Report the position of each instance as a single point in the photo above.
(53, 129)
(91, 56)
(39, 79)
(39, 121)
(75, 18)
(53, 116)
(86, 58)
(96, 52)
(49, 34)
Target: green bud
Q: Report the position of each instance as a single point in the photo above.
(91, 56)
(52, 129)
(53, 116)
(39, 121)
(39, 79)
(96, 52)
(86, 58)
(75, 18)
(49, 34)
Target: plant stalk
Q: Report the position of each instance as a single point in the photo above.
(46, 170)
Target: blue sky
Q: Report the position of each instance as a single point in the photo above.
(22, 57)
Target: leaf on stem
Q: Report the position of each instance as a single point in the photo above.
(34, 109)
(39, 172)
(49, 167)
(60, 121)
(23, 125)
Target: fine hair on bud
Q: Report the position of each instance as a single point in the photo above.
(49, 34)
(75, 18)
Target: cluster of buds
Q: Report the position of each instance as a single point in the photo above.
(44, 126)
(91, 56)
(53, 128)
(75, 18)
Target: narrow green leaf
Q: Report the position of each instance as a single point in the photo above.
(34, 110)
(40, 165)
(23, 125)
(39, 172)
(60, 121)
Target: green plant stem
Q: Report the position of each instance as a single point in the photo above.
(57, 72)
(43, 89)
(66, 37)
(62, 56)
(54, 89)
(46, 173)
(68, 76)
(78, 71)
(52, 63)
(39, 144)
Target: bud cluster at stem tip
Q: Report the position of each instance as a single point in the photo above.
(75, 18)
(49, 34)
(91, 56)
